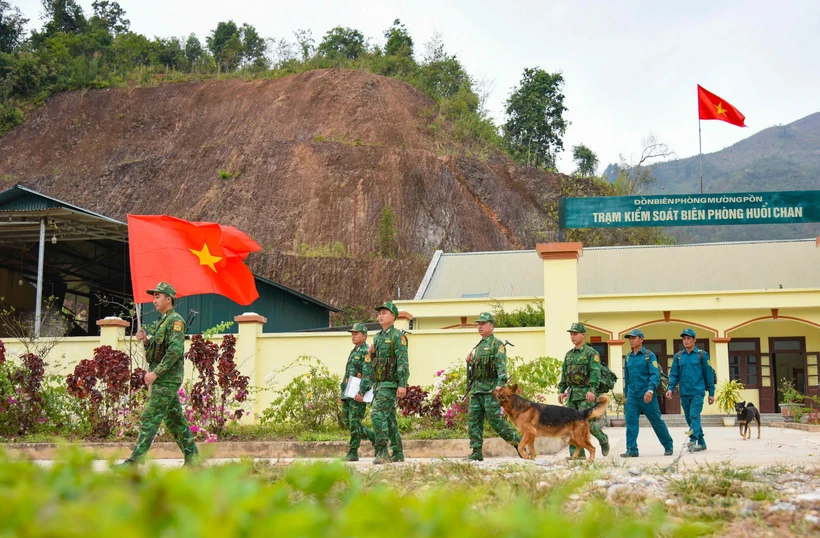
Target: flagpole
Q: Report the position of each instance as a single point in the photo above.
(700, 156)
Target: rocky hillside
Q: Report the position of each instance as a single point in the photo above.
(307, 159)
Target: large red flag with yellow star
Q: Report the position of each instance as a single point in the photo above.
(712, 107)
(194, 257)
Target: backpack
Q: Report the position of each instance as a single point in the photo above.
(606, 382)
(663, 384)
(706, 369)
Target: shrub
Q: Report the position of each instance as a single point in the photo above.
(310, 400)
(217, 395)
(112, 405)
(531, 315)
(416, 403)
(311, 501)
(21, 395)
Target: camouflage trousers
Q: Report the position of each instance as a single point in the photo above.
(483, 406)
(383, 416)
(352, 416)
(163, 404)
(594, 425)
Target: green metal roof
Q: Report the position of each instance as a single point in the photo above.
(23, 209)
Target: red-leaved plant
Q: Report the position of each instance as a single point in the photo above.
(220, 388)
(112, 405)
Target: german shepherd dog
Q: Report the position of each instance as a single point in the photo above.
(746, 414)
(542, 420)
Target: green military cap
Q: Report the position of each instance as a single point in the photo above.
(359, 328)
(635, 332)
(486, 316)
(688, 332)
(388, 305)
(577, 328)
(163, 287)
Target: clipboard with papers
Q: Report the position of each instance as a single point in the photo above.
(352, 389)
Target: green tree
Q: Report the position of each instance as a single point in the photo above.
(168, 52)
(441, 75)
(253, 47)
(110, 16)
(304, 40)
(386, 242)
(193, 50)
(225, 44)
(12, 27)
(586, 162)
(399, 42)
(535, 124)
(63, 16)
(342, 42)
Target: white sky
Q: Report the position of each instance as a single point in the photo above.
(630, 67)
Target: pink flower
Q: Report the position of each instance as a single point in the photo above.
(194, 428)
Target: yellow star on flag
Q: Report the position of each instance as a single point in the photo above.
(720, 109)
(205, 257)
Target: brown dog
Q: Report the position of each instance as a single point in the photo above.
(542, 420)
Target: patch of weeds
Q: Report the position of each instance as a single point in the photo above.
(7, 178)
(714, 490)
(225, 174)
(322, 436)
(319, 138)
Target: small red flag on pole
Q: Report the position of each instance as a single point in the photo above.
(194, 257)
(712, 107)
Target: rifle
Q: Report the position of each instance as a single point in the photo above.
(470, 372)
(190, 319)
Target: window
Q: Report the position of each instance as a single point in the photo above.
(603, 350)
(744, 361)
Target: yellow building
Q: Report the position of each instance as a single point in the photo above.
(755, 306)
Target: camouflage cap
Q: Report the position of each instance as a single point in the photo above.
(359, 328)
(163, 287)
(635, 332)
(388, 305)
(688, 332)
(486, 317)
(577, 328)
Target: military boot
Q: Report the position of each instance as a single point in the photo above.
(352, 455)
(381, 456)
(477, 455)
(397, 457)
(127, 463)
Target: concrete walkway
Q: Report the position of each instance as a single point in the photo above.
(776, 446)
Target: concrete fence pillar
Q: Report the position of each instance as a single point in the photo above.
(560, 293)
(112, 331)
(247, 350)
(403, 321)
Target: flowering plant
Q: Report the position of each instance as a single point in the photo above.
(310, 399)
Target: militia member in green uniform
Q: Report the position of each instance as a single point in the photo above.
(489, 370)
(387, 371)
(579, 382)
(164, 352)
(353, 411)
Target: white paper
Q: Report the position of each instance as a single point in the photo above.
(352, 389)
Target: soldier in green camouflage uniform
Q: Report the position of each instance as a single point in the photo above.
(386, 370)
(488, 371)
(353, 411)
(579, 382)
(164, 352)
